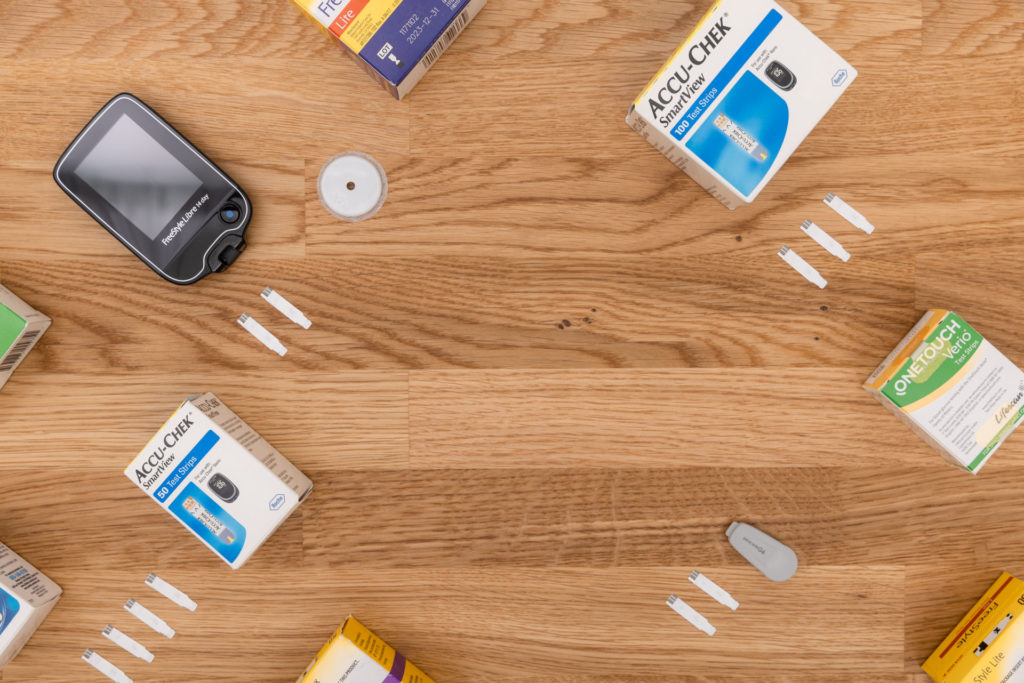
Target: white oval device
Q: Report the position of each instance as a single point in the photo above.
(352, 186)
(774, 559)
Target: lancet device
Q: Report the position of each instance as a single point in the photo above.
(155, 192)
(772, 558)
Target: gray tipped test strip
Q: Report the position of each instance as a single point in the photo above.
(803, 267)
(127, 643)
(826, 240)
(691, 615)
(286, 307)
(105, 667)
(170, 592)
(849, 213)
(149, 619)
(714, 590)
(263, 334)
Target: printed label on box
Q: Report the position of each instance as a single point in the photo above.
(739, 96)
(219, 478)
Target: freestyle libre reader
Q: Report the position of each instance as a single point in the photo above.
(155, 192)
(775, 560)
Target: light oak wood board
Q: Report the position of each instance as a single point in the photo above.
(544, 379)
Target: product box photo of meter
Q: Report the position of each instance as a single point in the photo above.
(155, 192)
(219, 478)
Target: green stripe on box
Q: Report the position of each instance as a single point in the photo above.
(11, 326)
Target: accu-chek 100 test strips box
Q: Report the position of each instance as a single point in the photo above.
(987, 646)
(355, 654)
(219, 478)
(21, 326)
(739, 96)
(395, 41)
(26, 597)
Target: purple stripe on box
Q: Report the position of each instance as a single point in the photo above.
(397, 670)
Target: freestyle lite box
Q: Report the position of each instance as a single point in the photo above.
(219, 478)
(395, 41)
(21, 326)
(952, 387)
(739, 96)
(355, 654)
(987, 646)
(26, 597)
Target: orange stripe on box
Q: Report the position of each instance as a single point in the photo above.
(975, 618)
(347, 16)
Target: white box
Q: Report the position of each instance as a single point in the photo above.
(21, 326)
(952, 387)
(739, 96)
(26, 597)
(219, 478)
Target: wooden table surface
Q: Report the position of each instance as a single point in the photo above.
(545, 378)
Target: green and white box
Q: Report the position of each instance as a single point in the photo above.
(21, 326)
(26, 597)
(953, 388)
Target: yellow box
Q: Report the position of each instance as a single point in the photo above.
(355, 654)
(987, 646)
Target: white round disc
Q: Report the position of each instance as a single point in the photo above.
(352, 186)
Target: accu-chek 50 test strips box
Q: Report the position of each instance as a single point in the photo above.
(395, 41)
(219, 478)
(987, 646)
(739, 96)
(952, 387)
(21, 326)
(355, 654)
(26, 597)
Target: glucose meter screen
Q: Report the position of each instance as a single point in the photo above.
(138, 177)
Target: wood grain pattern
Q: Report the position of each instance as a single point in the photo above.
(542, 381)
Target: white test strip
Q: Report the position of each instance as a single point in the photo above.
(849, 213)
(127, 643)
(826, 240)
(286, 307)
(691, 615)
(803, 267)
(106, 668)
(170, 592)
(149, 619)
(263, 334)
(714, 590)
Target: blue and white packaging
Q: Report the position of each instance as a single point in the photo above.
(739, 96)
(26, 598)
(219, 478)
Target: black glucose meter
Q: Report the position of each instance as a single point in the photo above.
(155, 192)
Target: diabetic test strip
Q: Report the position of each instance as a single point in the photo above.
(741, 137)
(286, 307)
(826, 240)
(991, 637)
(714, 590)
(106, 668)
(149, 619)
(127, 643)
(691, 615)
(803, 267)
(170, 592)
(263, 334)
(849, 213)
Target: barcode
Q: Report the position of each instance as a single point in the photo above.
(18, 350)
(445, 40)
